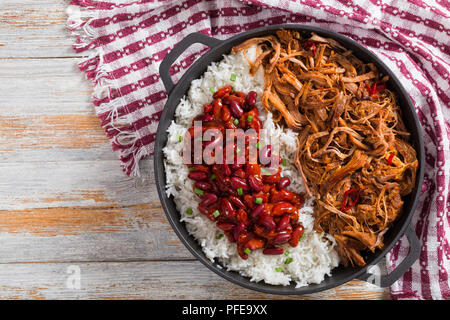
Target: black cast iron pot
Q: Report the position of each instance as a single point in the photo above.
(340, 274)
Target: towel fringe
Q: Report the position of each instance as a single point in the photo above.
(119, 129)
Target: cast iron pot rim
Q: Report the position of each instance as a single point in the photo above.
(174, 219)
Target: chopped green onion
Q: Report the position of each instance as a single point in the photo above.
(213, 176)
(178, 138)
(233, 77)
(240, 191)
(189, 211)
(249, 118)
(279, 269)
(283, 162)
(258, 200)
(212, 90)
(236, 122)
(303, 235)
(288, 260)
(286, 253)
(216, 213)
(191, 169)
(198, 191)
(265, 172)
(237, 150)
(258, 145)
(247, 250)
(219, 236)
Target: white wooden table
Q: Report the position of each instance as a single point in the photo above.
(72, 225)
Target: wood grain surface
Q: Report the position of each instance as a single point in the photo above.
(66, 208)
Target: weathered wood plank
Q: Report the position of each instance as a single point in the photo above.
(73, 184)
(143, 280)
(34, 29)
(43, 87)
(137, 232)
(82, 211)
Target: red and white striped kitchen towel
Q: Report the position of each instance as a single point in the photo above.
(126, 40)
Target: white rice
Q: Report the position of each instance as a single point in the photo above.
(315, 255)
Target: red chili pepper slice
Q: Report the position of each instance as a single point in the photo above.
(310, 44)
(376, 87)
(346, 204)
(390, 158)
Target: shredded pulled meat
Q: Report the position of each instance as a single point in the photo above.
(352, 151)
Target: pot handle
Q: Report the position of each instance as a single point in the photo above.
(413, 254)
(164, 67)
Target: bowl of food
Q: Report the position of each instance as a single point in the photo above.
(289, 159)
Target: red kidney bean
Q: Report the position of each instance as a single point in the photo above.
(237, 202)
(254, 244)
(236, 109)
(282, 208)
(226, 169)
(240, 94)
(298, 200)
(197, 175)
(255, 125)
(222, 92)
(236, 166)
(226, 114)
(207, 108)
(217, 109)
(225, 226)
(248, 200)
(271, 179)
(242, 217)
(283, 223)
(281, 195)
(239, 183)
(208, 199)
(208, 212)
(244, 236)
(200, 167)
(238, 229)
(267, 221)
(255, 183)
(284, 183)
(241, 251)
(202, 117)
(250, 99)
(257, 211)
(239, 173)
(227, 209)
(273, 251)
(232, 97)
(203, 209)
(281, 237)
(296, 235)
(203, 185)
